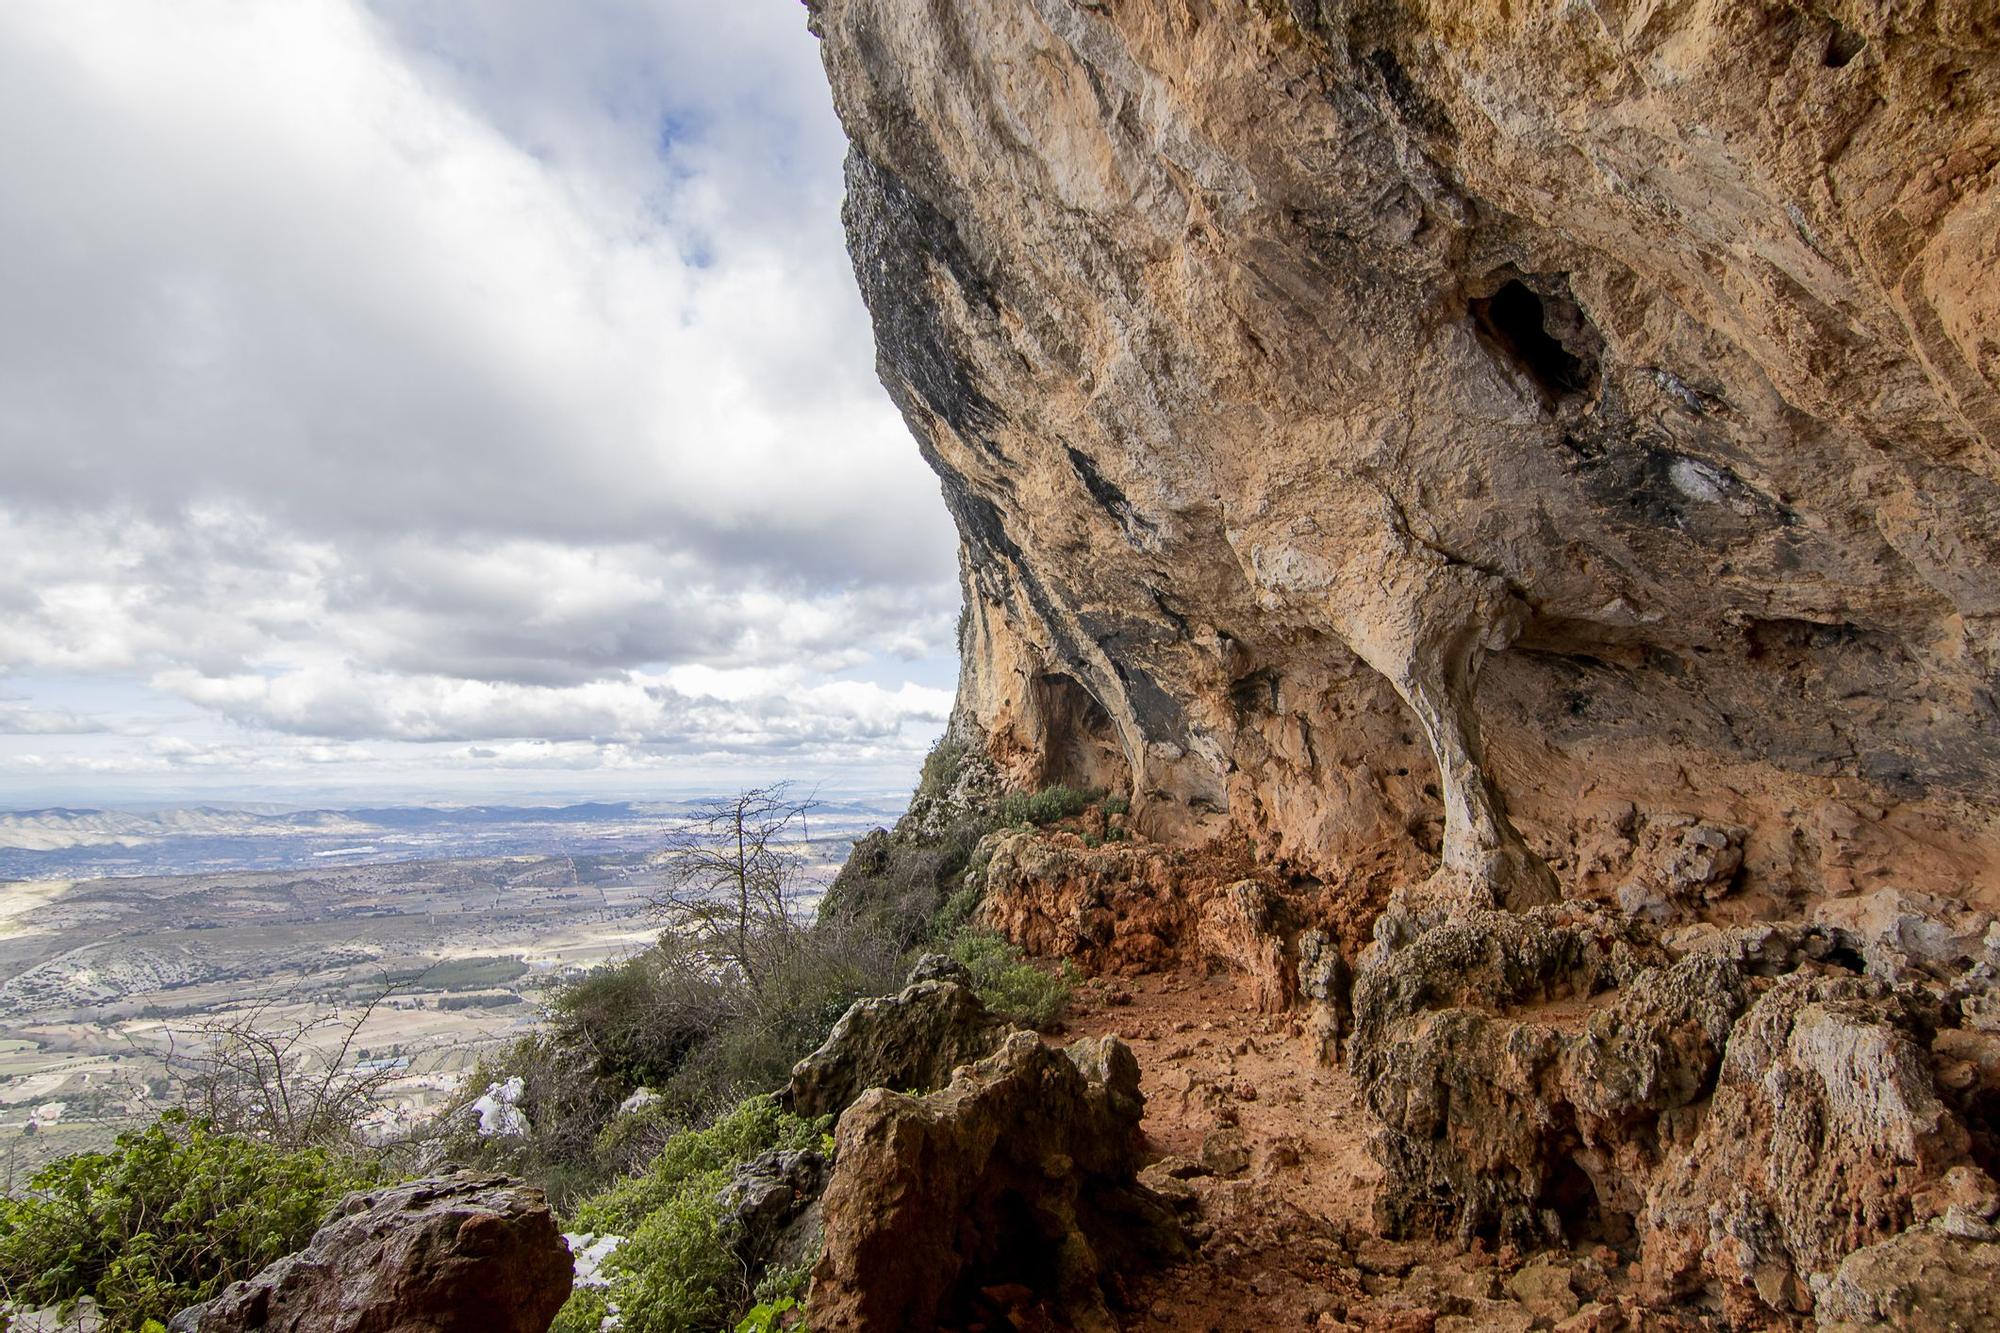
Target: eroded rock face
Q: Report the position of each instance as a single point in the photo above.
(1381, 428)
(1484, 454)
(460, 1254)
(1923, 1279)
(1747, 1105)
(1011, 1191)
(910, 1041)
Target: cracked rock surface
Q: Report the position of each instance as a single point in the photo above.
(1457, 441)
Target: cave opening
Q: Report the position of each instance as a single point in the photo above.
(1545, 337)
(1080, 745)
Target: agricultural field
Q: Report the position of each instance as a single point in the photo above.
(106, 984)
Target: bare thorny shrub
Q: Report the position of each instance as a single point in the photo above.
(290, 1080)
(735, 880)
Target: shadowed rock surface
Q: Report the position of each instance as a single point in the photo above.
(1010, 1192)
(461, 1254)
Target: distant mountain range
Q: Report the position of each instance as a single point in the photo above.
(67, 842)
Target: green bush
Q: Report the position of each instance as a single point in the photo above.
(956, 915)
(677, 1271)
(768, 1316)
(1047, 805)
(941, 767)
(165, 1219)
(894, 885)
(668, 1019)
(641, 1017)
(567, 1103)
(1010, 984)
(584, 1312)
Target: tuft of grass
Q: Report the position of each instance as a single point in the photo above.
(1011, 985)
(1047, 805)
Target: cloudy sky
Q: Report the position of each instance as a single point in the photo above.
(443, 399)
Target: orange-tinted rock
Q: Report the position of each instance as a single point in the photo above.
(1013, 1188)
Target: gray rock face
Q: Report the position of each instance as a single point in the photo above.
(1921, 1280)
(771, 1206)
(910, 1041)
(940, 967)
(1750, 1102)
(459, 1254)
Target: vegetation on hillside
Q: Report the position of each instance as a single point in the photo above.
(166, 1218)
(644, 1088)
(677, 1270)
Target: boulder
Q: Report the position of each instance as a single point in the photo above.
(1900, 934)
(1009, 1195)
(910, 1041)
(1242, 927)
(1825, 1134)
(940, 967)
(1752, 1101)
(458, 1254)
(1923, 1279)
(771, 1209)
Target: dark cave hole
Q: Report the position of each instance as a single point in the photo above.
(1842, 45)
(1570, 1194)
(1014, 1251)
(1080, 746)
(1523, 326)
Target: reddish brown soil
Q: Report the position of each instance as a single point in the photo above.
(1279, 1212)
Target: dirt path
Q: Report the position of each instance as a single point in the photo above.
(1266, 1151)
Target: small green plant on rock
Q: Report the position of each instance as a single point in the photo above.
(165, 1219)
(677, 1271)
(1046, 806)
(768, 1317)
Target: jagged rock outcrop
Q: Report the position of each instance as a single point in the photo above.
(1749, 1105)
(1133, 907)
(1380, 428)
(458, 1254)
(771, 1209)
(1011, 1191)
(1922, 1280)
(910, 1041)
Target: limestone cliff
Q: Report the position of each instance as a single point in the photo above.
(1382, 427)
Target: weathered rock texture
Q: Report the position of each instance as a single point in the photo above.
(1510, 453)
(1367, 422)
(1750, 1106)
(910, 1041)
(1011, 1191)
(461, 1254)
